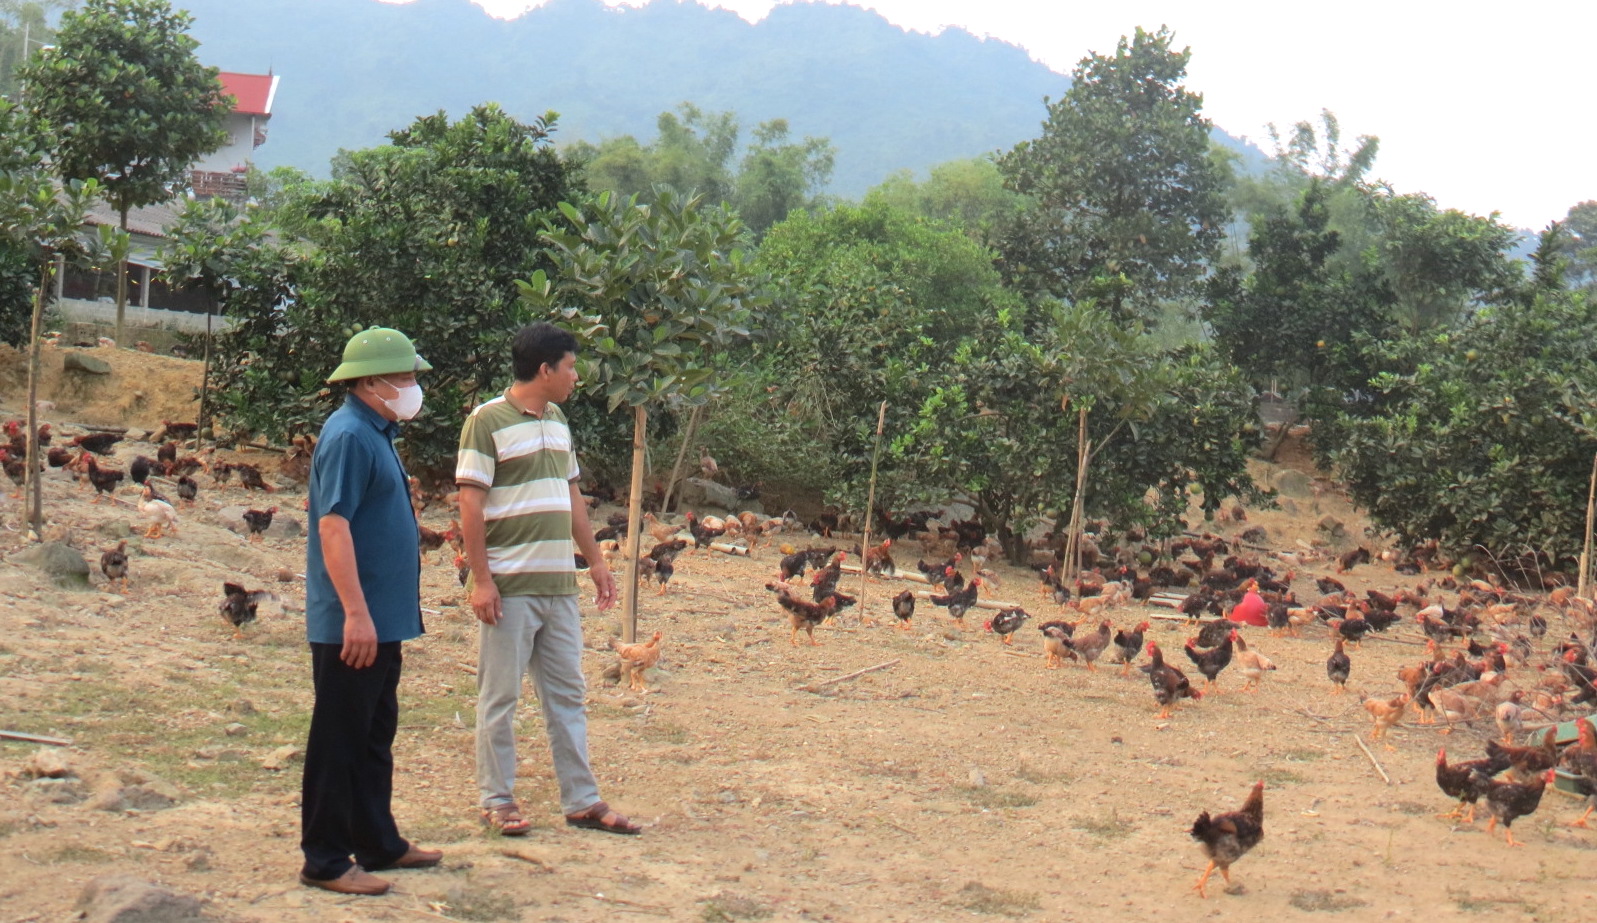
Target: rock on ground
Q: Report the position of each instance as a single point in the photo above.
(125, 899)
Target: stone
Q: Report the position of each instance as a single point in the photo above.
(1330, 525)
(78, 362)
(977, 779)
(125, 899)
(61, 563)
(1293, 483)
(242, 707)
(235, 730)
(50, 763)
(280, 758)
(708, 498)
(114, 528)
(153, 796)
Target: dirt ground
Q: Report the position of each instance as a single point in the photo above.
(965, 780)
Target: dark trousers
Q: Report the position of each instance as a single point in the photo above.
(345, 803)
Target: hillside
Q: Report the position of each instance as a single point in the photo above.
(889, 99)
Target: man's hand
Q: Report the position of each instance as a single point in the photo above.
(603, 583)
(360, 640)
(485, 601)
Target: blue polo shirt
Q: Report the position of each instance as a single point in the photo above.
(356, 474)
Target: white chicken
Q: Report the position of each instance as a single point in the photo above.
(159, 513)
(1509, 718)
(1252, 664)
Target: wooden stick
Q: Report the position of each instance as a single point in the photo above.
(467, 667)
(1360, 742)
(848, 676)
(978, 604)
(734, 550)
(896, 575)
(527, 858)
(35, 738)
(651, 908)
(870, 503)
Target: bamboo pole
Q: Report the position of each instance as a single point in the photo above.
(1077, 519)
(1585, 551)
(34, 483)
(629, 617)
(205, 386)
(676, 469)
(870, 507)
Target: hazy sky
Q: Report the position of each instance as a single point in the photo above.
(1485, 107)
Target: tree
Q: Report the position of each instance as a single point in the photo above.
(24, 30)
(427, 234)
(128, 103)
(1438, 263)
(967, 194)
(1580, 249)
(656, 292)
(779, 176)
(1127, 201)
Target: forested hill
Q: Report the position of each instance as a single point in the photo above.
(354, 70)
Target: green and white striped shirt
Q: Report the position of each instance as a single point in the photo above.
(526, 463)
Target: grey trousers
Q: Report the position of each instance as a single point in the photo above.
(542, 634)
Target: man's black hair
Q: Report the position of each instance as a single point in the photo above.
(537, 345)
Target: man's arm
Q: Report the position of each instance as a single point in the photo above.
(338, 554)
(485, 600)
(582, 533)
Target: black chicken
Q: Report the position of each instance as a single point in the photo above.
(238, 608)
(1352, 629)
(187, 489)
(258, 522)
(98, 443)
(139, 469)
(1128, 644)
(114, 564)
(1169, 684)
(1228, 837)
(702, 534)
(1466, 781)
(904, 608)
(1006, 623)
(1211, 662)
(958, 602)
(1338, 667)
(803, 615)
(1509, 801)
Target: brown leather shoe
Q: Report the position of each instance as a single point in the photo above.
(414, 858)
(355, 881)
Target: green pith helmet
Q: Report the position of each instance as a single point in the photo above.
(378, 351)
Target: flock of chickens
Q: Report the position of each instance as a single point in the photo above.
(79, 458)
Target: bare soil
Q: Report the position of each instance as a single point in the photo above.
(963, 781)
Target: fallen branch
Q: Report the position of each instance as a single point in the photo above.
(814, 687)
(979, 604)
(528, 858)
(895, 575)
(471, 669)
(646, 908)
(1373, 762)
(1019, 654)
(35, 738)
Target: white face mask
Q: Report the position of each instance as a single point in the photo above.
(407, 403)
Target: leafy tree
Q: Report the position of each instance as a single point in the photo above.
(1581, 246)
(968, 194)
(779, 176)
(427, 234)
(1439, 263)
(25, 29)
(1128, 203)
(1489, 437)
(657, 292)
(129, 104)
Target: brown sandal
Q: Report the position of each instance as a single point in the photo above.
(506, 819)
(595, 818)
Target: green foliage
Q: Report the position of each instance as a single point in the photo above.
(426, 234)
(1580, 247)
(25, 29)
(1490, 436)
(1439, 263)
(127, 101)
(1127, 201)
(658, 294)
(779, 176)
(967, 194)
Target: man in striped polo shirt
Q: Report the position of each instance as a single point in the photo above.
(520, 514)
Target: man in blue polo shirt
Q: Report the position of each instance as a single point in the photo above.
(362, 599)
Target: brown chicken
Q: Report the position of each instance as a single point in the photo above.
(114, 564)
(258, 522)
(1228, 837)
(1465, 781)
(662, 532)
(1528, 762)
(1386, 714)
(879, 559)
(250, 477)
(1090, 645)
(1169, 684)
(1056, 644)
(432, 541)
(804, 615)
(1581, 761)
(1509, 801)
(636, 658)
(296, 463)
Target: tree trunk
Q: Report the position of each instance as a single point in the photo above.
(1280, 437)
(629, 616)
(34, 483)
(870, 506)
(1584, 587)
(676, 469)
(122, 285)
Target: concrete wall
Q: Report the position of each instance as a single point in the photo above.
(74, 310)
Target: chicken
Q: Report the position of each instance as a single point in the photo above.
(1128, 644)
(661, 531)
(792, 566)
(1214, 633)
(296, 463)
(58, 457)
(167, 452)
(1252, 664)
(1386, 714)
(98, 443)
(187, 490)
(1351, 628)
(178, 431)
(1228, 837)
(16, 468)
(114, 564)
(139, 469)
(1351, 559)
(239, 605)
(825, 579)
(959, 601)
(879, 560)
(636, 658)
(250, 477)
(430, 540)
(103, 479)
(158, 512)
(703, 533)
(1169, 684)
(663, 563)
(259, 521)
(1338, 667)
(1091, 645)
(1465, 781)
(1006, 623)
(1509, 801)
(707, 464)
(1509, 717)
(804, 615)
(1212, 662)
(1528, 762)
(1056, 644)
(904, 608)
(1581, 761)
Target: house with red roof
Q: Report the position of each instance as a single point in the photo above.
(222, 171)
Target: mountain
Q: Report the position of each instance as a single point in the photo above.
(353, 70)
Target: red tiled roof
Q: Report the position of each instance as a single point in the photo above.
(254, 92)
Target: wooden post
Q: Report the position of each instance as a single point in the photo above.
(205, 387)
(1073, 537)
(870, 506)
(676, 469)
(1584, 589)
(34, 484)
(629, 618)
